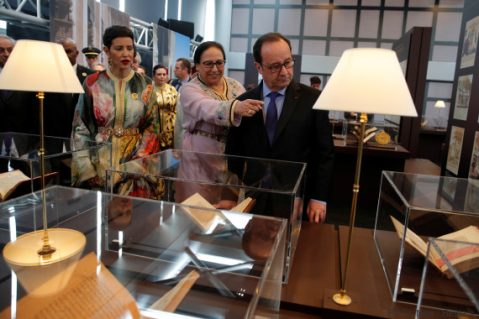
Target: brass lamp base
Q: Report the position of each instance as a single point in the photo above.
(45, 274)
(341, 298)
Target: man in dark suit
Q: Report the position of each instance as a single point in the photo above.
(18, 113)
(17, 109)
(296, 132)
(182, 73)
(58, 114)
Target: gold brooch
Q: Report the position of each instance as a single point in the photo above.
(134, 96)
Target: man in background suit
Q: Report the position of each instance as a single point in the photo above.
(92, 56)
(182, 73)
(60, 107)
(58, 114)
(301, 134)
(18, 113)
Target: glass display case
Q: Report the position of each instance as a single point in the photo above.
(274, 187)
(412, 208)
(379, 133)
(20, 151)
(144, 256)
(450, 279)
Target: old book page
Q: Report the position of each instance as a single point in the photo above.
(9, 181)
(171, 300)
(92, 292)
(462, 256)
(204, 218)
(245, 206)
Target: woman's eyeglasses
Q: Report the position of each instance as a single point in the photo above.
(211, 64)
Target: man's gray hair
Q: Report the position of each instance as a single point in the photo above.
(6, 37)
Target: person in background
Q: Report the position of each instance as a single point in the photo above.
(287, 128)
(136, 61)
(315, 82)
(18, 113)
(165, 97)
(141, 70)
(209, 109)
(59, 108)
(182, 73)
(92, 55)
(117, 107)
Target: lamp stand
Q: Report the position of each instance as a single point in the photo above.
(46, 251)
(341, 297)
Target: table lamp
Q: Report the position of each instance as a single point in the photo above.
(365, 80)
(41, 67)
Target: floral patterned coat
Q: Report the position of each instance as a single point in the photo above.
(118, 111)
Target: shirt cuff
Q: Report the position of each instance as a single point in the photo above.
(234, 118)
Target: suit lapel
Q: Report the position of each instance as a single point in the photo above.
(290, 100)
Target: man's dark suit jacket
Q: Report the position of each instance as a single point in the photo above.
(302, 135)
(60, 108)
(18, 112)
(177, 83)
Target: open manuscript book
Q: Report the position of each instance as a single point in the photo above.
(9, 181)
(93, 292)
(206, 218)
(461, 256)
(15, 183)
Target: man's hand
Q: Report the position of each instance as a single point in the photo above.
(316, 211)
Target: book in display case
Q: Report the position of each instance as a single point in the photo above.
(460, 297)
(144, 258)
(380, 133)
(20, 152)
(274, 187)
(413, 208)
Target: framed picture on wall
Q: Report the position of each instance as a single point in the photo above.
(455, 148)
(474, 165)
(463, 95)
(469, 44)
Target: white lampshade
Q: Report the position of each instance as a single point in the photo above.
(440, 104)
(367, 80)
(39, 66)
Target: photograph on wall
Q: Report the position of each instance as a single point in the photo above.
(463, 95)
(474, 165)
(455, 149)
(469, 44)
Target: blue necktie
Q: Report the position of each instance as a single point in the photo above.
(271, 116)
